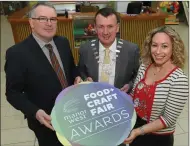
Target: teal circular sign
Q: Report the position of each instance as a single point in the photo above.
(93, 114)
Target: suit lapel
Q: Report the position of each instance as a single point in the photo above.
(94, 45)
(119, 55)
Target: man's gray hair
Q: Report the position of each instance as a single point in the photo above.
(32, 11)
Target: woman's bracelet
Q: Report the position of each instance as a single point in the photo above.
(142, 130)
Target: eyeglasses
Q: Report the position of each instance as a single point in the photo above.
(45, 19)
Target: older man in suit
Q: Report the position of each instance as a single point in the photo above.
(37, 70)
(109, 59)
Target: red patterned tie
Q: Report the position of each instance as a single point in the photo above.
(56, 66)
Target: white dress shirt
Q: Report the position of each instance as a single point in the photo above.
(112, 54)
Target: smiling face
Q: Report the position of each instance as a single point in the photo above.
(161, 48)
(44, 30)
(106, 28)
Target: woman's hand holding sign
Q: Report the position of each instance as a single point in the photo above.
(134, 133)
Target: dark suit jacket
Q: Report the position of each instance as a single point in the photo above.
(127, 62)
(31, 82)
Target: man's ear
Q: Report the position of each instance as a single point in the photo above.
(95, 28)
(117, 27)
(31, 23)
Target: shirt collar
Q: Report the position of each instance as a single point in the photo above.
(41, 42)
(112, 47)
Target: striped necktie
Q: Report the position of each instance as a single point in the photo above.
(56, 66)
(104, 75)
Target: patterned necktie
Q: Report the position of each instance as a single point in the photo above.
(104, 75)
(56, 66)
